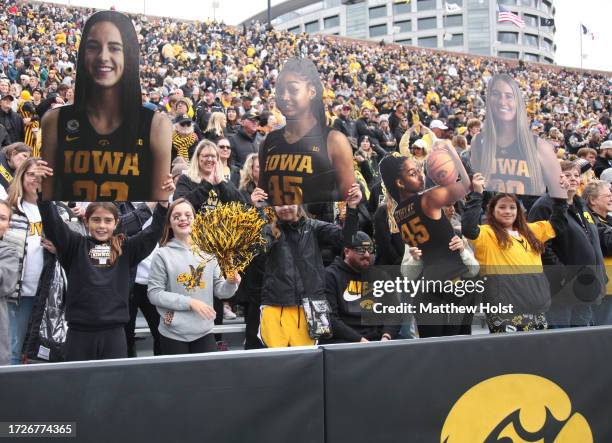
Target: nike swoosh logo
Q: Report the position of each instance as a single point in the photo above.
(70, 139)
(351, 297)
(270, 148)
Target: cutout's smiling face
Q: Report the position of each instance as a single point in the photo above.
(104, 55)
(294, 95)
(503, 102)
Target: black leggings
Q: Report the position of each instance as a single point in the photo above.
(170, 346)
(218, 307)
(95, 345)
(443, 325)
(139, 299)
(252, 327)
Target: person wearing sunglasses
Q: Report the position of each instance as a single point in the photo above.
(231, 173)
(184, 138)
(344, 280)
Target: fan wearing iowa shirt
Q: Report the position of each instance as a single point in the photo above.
(344, 280)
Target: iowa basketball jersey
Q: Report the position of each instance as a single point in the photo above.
(431, 237)
(300, 172)
(94, 167)
(510, 172)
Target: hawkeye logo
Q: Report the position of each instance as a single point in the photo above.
(515, 408)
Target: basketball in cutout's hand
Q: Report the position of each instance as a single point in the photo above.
(441, 168)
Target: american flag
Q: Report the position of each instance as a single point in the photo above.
(505, 15)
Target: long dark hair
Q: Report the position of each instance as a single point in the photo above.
(520, 224)
(130, 93)
(168, 233)
(306, 70)
(116, 241)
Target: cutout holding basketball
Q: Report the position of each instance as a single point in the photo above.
(441, 167)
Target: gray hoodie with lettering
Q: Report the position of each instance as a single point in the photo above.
(177, 275)
(9, 270)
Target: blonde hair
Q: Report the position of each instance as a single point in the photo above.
(215, 123)
(193, 171)
(246, 173)
(487, 151)
(15, 190)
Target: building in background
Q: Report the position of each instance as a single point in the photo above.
(457, 25)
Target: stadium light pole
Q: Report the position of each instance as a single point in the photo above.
(269, 11)
(215, 5)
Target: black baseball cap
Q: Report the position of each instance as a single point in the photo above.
(251, 115)
(8, 96)
(360, 239)
(182, 119)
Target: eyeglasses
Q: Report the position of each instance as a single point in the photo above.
(224, 146)
(185, 124)
(361, 250)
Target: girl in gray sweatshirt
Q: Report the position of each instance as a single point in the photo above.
(182, 287)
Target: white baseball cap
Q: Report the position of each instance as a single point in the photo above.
(420, 143)
(437, 124)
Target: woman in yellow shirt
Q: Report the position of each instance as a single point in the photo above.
(508, 250)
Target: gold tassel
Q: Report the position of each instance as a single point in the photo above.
(232, 233)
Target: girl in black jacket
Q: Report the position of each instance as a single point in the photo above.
(97, 268)
(294, 268)
(98, 271)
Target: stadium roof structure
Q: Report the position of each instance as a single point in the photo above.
(280, 9)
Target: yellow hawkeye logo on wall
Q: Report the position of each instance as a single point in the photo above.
(515, 408)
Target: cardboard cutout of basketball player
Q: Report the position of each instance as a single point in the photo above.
(107, 146)
(305, 161)
(507, 153)
(418, 211)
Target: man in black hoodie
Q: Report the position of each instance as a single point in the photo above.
(573, 261)
(344, 280)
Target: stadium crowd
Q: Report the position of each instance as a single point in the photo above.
(217, 85)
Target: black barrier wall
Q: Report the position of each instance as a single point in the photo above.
(472, 389)
(550, 386)
(233, 397)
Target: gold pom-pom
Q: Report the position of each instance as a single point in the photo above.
(231, 232)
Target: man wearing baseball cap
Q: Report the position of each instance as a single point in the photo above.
(435, 132)
(244, 141)
(11, 121)
(344, 287)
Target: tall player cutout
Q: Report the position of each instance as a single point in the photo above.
(510, 157)
(107, 146)
(305, 161)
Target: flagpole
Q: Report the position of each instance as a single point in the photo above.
(581, 34)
